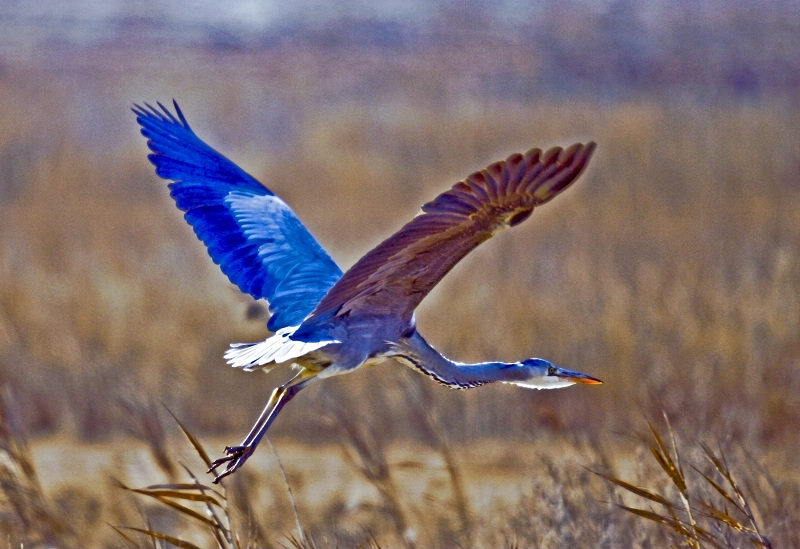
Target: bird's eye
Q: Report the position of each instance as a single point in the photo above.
(551, 371)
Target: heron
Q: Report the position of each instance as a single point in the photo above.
(325, 322)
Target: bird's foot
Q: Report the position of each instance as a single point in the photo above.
(235, 458)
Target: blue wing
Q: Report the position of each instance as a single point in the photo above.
(253, 235)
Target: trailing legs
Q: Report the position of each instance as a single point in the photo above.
(237, 455)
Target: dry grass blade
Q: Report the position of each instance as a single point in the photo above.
(192, 440)
(675, 473)
(189, 512)
(721, 465)
(222, 532)
(723, 517)
(661, 453)
(676, 525)
(642, 492)
(177, 542)
(720, 516)
(164, 497)
(719, 489)
(686, 531)
(123, 535)
(672, 440)
(180, 491)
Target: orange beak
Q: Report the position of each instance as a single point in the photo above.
(577, 377)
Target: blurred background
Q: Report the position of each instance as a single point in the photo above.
(671, 270)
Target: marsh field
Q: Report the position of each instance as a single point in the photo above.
(671, 270)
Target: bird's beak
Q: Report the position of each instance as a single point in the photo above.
(577, 377)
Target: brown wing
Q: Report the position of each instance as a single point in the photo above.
(396, 275)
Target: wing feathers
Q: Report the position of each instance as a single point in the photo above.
(255, 238)
(277, 349)
(264, 248)
(396, 275)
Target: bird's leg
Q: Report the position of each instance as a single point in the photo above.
(237, 455)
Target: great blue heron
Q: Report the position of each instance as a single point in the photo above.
(326, 322)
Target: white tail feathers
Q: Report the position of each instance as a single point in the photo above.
(276, 349)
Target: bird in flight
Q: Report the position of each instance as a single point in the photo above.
(326, 322)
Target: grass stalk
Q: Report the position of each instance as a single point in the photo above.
(716, 513)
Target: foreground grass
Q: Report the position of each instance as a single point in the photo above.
(710, 510)
(427, 497)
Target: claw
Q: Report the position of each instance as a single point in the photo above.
(235, 458)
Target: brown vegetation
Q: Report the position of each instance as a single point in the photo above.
(671, 271)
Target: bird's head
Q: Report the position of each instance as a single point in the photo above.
(535, 373)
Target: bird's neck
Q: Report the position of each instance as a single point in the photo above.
(419, 354)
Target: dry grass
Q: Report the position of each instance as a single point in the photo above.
(710, 509)
(671, 271)
(26, 511)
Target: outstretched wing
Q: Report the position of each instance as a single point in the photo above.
(395, 276)
(253, 235)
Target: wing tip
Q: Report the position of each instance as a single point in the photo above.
(561, 168)
(161, 113)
